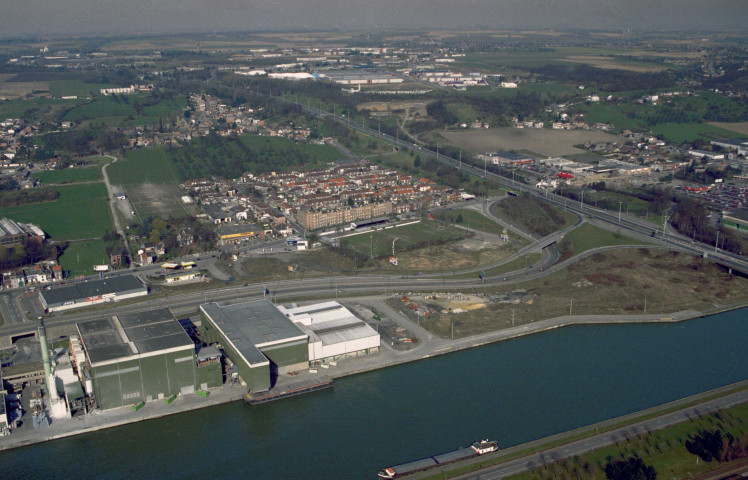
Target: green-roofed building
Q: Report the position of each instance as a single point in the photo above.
(261, 340)
(141, 357)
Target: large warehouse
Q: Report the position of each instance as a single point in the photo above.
(260, 340)
(334, 332)
(142, 357)
(92, 292)
(264, 340)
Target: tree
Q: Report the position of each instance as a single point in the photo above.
(632, 468)
(417, 161)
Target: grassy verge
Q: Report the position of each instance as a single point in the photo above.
(471, 219)
(535, 215)
(587, 236)
(740, 411)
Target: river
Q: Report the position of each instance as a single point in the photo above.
(514, 391)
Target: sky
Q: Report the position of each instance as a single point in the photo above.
(117, 17)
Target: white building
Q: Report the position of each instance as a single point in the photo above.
(334, 332)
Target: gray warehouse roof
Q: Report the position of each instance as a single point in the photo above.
(252, 325)
(123, 284)
(133, 334)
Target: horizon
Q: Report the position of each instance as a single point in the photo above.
(86, 18)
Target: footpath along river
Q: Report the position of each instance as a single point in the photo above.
(514, 391)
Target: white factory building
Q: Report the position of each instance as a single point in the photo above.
(334, 332)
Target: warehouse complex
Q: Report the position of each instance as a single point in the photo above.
(143, 357)
(260, 340)
(264, 340)
(334, 332)
(90, 293)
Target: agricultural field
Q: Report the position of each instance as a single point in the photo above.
(551, 143)
(122, 110)
(36, 108)
(143, 165)
(617, 282)
(741, 128)
(80, 256)
(80, 212)
(687, 132)
(12, 89)
(68, 175)
(65, 88)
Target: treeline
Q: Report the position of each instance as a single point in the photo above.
(27, 253)
(13, 198)
(715, 445)
(658, 199)
(78, 142)
(691, 219)
(605, 79)
(704, 175)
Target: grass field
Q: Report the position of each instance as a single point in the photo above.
(471, 219)
(69, 175)
(80, 212)
(408, 237)
(143, 165)
(80, 257)
(587, 236)
(64, 88)
(686, 132)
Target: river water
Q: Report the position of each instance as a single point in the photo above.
(513, 392)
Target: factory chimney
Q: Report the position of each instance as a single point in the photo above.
(51, 384)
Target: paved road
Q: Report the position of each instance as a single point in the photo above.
(112, 206)
(594, 442)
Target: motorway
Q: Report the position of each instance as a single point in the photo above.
(627, 224)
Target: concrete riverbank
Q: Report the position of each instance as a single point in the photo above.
(429, 346)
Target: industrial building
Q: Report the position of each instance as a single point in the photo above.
(361, 78)
(142, 357)
(92, 292)
(260, 340)
(237, 233)
(265, 340)
(334, 332)
(13, 233)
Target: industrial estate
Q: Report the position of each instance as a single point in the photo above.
(201, 224)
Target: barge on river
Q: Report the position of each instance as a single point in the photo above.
(474, 450)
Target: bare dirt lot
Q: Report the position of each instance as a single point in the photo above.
(544, 142)
(158, 200)
(614, 283)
